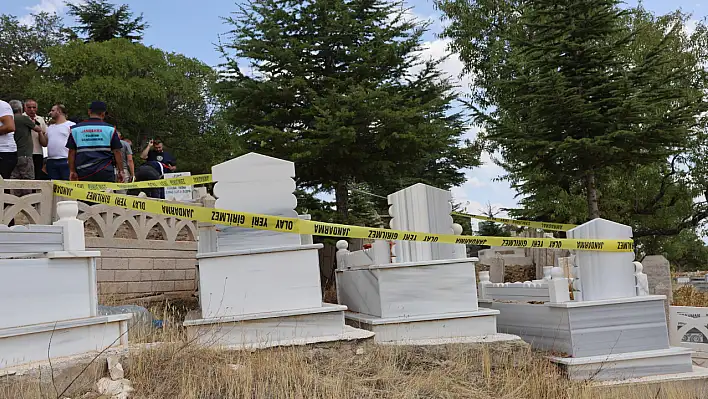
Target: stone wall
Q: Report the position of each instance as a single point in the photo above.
(128, 269)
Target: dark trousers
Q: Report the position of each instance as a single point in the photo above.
(38, 160)
(8, 161)
(106, 175)
(58, 169)
(146, 173)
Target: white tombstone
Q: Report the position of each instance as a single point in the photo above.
(422, 208)
(255, 183)
(604, 275)
(49, 294)
(259, 288)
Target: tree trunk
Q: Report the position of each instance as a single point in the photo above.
(341, 195)
(593, 208)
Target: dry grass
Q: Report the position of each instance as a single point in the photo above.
(180, 370)
(688, 295)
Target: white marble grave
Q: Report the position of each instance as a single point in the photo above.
(257, 184)
(428, 294)
(48, 291)
(611, 329)
(259, 288)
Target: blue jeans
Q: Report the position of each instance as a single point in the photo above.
(58, 169)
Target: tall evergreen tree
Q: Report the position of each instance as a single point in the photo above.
(573, 101)
(333, 90)
(100, 21)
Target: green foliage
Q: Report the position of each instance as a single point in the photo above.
(578, 90)
(100, 21)
(333, 91)
(23, 51)
(492, 229)
(569, 90)
(686, 251)
(149, 93)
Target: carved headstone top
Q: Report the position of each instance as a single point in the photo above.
(426, 209)
(255, 183)
(604, 275)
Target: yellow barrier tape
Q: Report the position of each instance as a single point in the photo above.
(526, 223)
(172, 182)
(299, 226)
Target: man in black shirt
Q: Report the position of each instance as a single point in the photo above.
(155, 153)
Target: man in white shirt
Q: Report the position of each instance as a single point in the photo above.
(37, 150)
(55, 140)
(8, 147)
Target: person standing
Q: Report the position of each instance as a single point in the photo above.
(55, 141)
(8, 148)
(24, 126)
(155, 152)
(38, 152)
(128, 164)
(94, 148)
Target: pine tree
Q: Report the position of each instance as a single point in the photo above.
(579, 93)
(334, 92)
(100, 21)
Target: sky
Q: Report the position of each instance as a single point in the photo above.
(180, 26)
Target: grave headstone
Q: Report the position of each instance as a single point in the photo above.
(260, 184)
(658, 271)
(496, 270)
(604, 275)
(421, 208)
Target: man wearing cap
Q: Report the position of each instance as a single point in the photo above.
(95, 148)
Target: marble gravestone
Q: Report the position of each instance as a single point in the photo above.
(604, 275)
(658, 271)
(428, 294)
(260, 288)
(49, 294)
(255, 183)
(612, 329)
(426, 209)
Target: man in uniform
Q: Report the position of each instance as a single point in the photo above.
(94, 148)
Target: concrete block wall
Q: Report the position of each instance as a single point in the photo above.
(124, 271)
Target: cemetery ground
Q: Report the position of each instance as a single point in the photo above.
(163, 364)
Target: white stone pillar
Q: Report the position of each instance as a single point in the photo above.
(460, 249)
(483, 284)
(604, 275)
(74, 239)
(341, 255)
